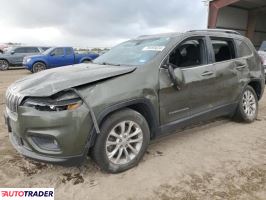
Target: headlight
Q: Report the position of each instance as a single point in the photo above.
(58, 102)
(28, 59)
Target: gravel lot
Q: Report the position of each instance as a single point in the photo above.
(221, 159)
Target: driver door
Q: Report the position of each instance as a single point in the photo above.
(196, 95)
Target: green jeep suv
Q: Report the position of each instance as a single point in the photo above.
(139, 90)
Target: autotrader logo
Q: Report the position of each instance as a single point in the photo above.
(27, 193)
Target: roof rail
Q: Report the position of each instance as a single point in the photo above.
(217, 30)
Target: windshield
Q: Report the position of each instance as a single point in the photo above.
(133, 52)
(48, 51)
(263, 46)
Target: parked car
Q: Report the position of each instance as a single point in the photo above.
(262, 53)
(2, 47)
(13, 56)
(139, 90)
(56, 57)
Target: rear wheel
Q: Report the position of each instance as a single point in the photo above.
(4, 65)
(38, 66)
(86, 61)
(247, 110)
(122, 142)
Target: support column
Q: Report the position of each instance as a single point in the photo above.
(214, 8)
(251, 25)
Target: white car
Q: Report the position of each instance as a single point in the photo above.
(262, 53)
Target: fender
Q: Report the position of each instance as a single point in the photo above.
(154, 120)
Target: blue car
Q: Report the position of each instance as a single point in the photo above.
(56, 57)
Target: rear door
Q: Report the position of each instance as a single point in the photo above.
(197, 94)
(69, 56)
(33, 51)
(224, 59)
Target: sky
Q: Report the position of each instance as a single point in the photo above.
(95, 23)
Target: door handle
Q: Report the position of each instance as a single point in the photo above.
(239, 67)
(207, 73)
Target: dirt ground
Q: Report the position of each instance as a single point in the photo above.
(221, 159)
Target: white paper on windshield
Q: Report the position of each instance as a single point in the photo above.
(153, 48)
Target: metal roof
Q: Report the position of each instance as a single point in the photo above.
(250, 4)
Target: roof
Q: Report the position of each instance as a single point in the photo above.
(200, 32)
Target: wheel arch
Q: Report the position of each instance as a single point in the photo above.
(143, 106)
(5, 59)
(41, 61)
(85, 58)
(257, 86)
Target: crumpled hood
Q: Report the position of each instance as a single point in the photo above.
(51, 81)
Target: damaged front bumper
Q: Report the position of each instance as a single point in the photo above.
(56, 137)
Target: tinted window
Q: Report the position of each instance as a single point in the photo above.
(189, 53)
(223, 49)
(69, 51)
(243, 49)
(32, 50)
(58, 52)
(21, 50)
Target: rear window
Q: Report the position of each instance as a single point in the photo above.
(243, 49)
(32, 50)
(223, 49)
(69, 51)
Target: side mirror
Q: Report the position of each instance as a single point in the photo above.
(176, 76)
(52, 54)
(12, 52)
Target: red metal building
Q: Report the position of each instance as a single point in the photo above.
(246, 16)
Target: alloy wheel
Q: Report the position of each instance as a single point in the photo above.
(249, 103)
(124, 142)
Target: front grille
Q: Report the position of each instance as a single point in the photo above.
(12, 101)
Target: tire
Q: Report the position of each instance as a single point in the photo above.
(111, 131)
(38, 66)
(86, 61)
(247, 110)
(4, 65)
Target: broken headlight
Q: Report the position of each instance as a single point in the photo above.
(58, 102)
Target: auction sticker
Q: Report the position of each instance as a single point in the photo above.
(26, 193)
(153, 48)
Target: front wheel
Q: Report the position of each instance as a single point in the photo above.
(38, 66)
(4, 65)
(123, 140)
(247, 110)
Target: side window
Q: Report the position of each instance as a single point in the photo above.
(189, 53)
(69, 51)
(223, 49)
(20, 50)
(32, 50)
(243, 49)
(58, 52)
